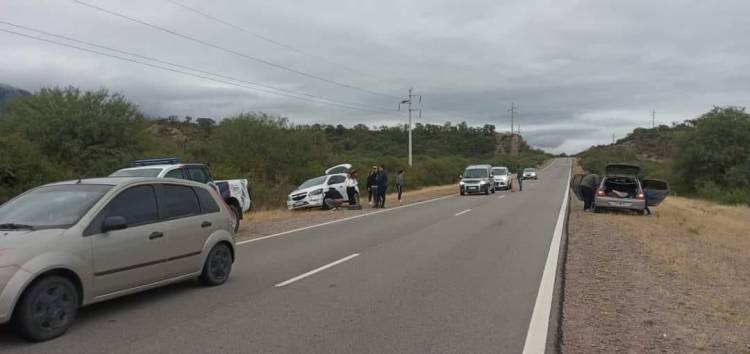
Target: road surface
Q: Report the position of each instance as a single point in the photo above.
(458, 274)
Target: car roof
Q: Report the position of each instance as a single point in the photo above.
(119, 181)
(177, 165)
(499, 167)
(478, 166)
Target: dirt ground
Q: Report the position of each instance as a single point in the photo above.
(677, 282)
(267, 222)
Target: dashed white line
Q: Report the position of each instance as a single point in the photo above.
(316, 270)
(463, 212)
(342, 220)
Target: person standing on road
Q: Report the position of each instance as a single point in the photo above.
(351, 188)
(382, 182)
(519, 177)
(400, 184)
(588, 187)
(371, 185)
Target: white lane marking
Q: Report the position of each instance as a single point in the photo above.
(342, 220)
(501, 197)
(316, 270)
(536, 336)
(463, 212)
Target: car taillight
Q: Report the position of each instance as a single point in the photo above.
(640, 196)
(600, 193)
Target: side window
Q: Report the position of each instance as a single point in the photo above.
(137, 205)
(336, 180)
(208, 204)
(180, 201)
(197, 174)
(176, 173)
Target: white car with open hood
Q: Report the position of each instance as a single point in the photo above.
(310, 193)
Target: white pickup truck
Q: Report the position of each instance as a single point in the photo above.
(236, 192)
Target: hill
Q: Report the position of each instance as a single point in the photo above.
(7, 93)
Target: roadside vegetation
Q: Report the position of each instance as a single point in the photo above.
(56, 134)
(707, 157)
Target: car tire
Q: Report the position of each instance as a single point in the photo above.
(356, 198)
(486, 190)
(461, 192)
(218, 265)
(46, 309)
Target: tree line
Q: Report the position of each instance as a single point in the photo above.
(66, 133)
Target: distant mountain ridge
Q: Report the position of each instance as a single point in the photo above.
(7, 93)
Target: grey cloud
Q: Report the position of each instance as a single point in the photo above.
(580, 71)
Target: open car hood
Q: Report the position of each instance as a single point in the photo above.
(343, 168)
(622, 169)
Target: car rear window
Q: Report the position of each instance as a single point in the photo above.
(208, 204)
(197, 174)
(180, 201)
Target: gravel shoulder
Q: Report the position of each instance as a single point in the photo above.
(267, 222)
(674, 282)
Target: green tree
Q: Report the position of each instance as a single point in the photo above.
(92, 132)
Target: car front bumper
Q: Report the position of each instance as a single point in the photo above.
(473, 188)
(307, 202)
(501, 184)
(619, 203)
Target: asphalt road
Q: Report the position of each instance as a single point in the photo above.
(459, 274)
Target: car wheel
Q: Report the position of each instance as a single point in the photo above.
(486, 190)
(47, 308)
(356, 198)
(461, 192)
(218, 266)
(237, 214)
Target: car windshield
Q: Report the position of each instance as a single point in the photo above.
(57, 206)
(475, 173)
(499, 171)
(529, 170)
(138, 172)
(312, 182)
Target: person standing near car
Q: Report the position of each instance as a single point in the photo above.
(400, 184)
(519, 177)
(371, 185)
(351, 188)
(382, 182)
(588, 187)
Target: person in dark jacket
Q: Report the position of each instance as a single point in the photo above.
(382, 182)
(371, 185)
(588, 187)
(400, 182)
(332, 199)
(519, 177)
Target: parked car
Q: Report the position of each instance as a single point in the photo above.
(236, 192)
(310, 193)
(71, 244)
(501, 178)
(530, 173)
(476, 179)
(621, 187)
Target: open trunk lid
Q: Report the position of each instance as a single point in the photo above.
(622, 169)
(342, 168)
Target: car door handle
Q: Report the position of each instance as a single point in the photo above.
(155, 235)
(206, 224)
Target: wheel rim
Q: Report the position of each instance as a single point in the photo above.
(53, 308)
(220, 262)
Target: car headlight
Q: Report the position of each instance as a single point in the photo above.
(461, 183)
(316, 192)
(483, 182)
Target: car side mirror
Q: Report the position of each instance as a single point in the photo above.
(112, 223)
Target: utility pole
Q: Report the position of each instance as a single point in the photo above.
(513, 109)
(613, 138)
(513, 139)
(653, 118)
(409, 102)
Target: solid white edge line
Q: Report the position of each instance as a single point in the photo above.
(536, 336)
(501, 197)
(341, 220)
(316, 270)
(463, 212)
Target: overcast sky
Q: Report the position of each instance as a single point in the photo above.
(579, 71)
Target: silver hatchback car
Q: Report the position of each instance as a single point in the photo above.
(70, 244)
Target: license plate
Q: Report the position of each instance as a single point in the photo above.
(298, 204)
(472, 188)
(622, 204)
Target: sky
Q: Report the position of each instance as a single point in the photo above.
(579, 71)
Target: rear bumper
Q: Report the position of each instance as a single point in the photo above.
(619, 203)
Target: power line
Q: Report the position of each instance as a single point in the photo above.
(270, 40)
(250, 57)
(194, 69)
(186, 72)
